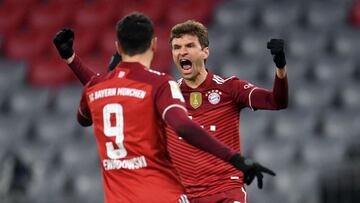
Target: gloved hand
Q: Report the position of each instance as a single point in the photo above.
(63, 41)
(114, 61)
(276, 47)
(250, 169)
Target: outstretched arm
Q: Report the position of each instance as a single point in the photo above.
(170, 105)
(278, 98)
(178, 119)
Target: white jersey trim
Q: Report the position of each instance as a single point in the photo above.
(172, 106)
(183, 199)
(250, 98)
(242, 189)
(83, 115)
(179, 81)
(219, 80)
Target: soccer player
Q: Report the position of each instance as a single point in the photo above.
(215, 103)
(133, 152)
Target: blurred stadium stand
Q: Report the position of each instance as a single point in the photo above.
(314, 145)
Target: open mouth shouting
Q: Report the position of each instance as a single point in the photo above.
(186, 65)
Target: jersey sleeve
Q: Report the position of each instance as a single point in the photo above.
(248, 95)
(242, 91)
(81, 70)
(83, 114)
(169, 96)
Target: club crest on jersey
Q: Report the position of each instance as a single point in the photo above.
(213, 96)
(195, 99)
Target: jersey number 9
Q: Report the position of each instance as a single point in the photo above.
(117, 130)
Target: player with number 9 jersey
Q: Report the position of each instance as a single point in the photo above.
(126, 107)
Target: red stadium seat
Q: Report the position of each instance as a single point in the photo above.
(107, 43)
(26, 45)
(49, 72)
(154, 9)
(189, 9)
(24, 3)
(84, 43)
(52, 16)
(11, 18)
(71, 4)
(95, 16)
(98, 63)
(355, 14)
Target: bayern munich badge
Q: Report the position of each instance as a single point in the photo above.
(214, 96)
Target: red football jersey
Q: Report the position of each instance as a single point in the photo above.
(127, 107)
(215, 105)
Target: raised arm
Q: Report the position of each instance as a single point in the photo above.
(63, 42)
(278, 98)
(254, 97)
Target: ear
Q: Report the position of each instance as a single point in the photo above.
(206, 52)
(153, 45)
(119, 48)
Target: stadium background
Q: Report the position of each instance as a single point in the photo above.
(314, 145)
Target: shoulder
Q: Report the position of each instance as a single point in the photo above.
(158, 77)
(223, 80)
(231, 83)
(99, 77)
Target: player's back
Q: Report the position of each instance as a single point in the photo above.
(130, 136)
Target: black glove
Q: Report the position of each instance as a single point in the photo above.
(276, 47)
(63, 41)
(250, 169)
(114, 61)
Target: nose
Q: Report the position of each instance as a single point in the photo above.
(183, 51)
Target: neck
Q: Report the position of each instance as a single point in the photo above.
(198, 80)
(144, 59)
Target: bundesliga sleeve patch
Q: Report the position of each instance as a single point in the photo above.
(175, 91)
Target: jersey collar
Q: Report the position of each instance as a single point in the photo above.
(203, 85)
(131, 65)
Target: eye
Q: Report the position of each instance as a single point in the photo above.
(190, 45)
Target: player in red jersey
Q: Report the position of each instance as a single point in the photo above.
(135, 162)
(215, 103)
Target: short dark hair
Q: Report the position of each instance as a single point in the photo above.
(191, 27)
(135, 32)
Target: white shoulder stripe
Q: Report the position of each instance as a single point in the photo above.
(229, 78)
(179, 81)
(220, 80)
(250, 97)
(183, 199)
(172, 106)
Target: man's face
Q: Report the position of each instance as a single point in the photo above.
(188, 56)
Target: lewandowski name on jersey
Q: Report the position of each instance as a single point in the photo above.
(134, 163)
(121, 91)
